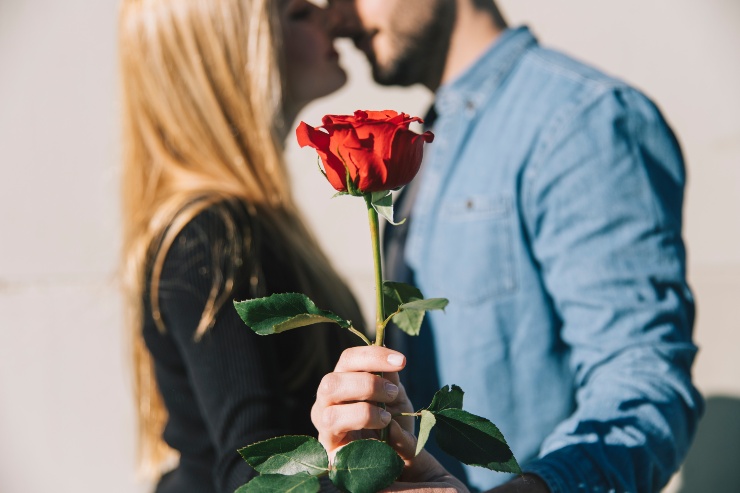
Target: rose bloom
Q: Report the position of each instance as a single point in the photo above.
(375, 150)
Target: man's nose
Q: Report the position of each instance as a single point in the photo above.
(342, 19)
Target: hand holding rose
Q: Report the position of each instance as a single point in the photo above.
(346, 402)
(346, 410)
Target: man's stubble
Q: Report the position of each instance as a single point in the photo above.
(420, 32)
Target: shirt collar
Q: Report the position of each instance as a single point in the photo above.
(471, 89)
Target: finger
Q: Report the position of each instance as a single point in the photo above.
(370, 359)
(336, 388)
(402, 441)
(401, 404)
(423, 488)
(339, 420)
(392, 377)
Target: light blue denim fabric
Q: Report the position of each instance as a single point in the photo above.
(549, 213)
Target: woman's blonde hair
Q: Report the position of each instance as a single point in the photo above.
(202, 92)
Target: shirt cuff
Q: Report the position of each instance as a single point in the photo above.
(567, 471)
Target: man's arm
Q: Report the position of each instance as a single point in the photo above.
(526, 483)
(602, 205)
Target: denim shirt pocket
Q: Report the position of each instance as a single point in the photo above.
(471, 256)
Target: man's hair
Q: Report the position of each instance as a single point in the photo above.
(491, 7)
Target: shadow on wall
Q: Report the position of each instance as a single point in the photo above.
(712, 463)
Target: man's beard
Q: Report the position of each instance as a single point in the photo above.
(421, 51)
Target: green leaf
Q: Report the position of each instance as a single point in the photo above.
(396, 294)
(426, 305)
(410, 305)
(278, 483)
(284, 311)
(474, 441)
(383, 204)
(447, 398)
(290, 454)
(425, 426)
(365, 466)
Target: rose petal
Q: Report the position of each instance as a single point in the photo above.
(384, 115)
(321, 141)
(309, 136)
(371, 170)
(406, 157)
(365, 167)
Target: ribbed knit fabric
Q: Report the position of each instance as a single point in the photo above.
(229, 389)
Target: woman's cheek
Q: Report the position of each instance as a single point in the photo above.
(304, 48)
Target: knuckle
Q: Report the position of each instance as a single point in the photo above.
(347, 356)
(328, 416)
(366, 386)
(368, 413)
(315, 414)
(329, 384)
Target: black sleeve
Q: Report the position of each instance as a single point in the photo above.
(231, 370)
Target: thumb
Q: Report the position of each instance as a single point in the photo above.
(402, 441)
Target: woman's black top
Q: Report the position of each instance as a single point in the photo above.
(226, 390)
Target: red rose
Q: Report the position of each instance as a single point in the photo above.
(374, 149)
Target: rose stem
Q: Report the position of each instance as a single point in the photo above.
(379, 309)
(375, 239)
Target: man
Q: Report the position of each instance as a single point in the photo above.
(549, 213)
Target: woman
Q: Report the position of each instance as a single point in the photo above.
(210, 89)
(346, 410)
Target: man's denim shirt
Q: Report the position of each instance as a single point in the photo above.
(549, 213)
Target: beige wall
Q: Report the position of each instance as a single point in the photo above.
(65, 409)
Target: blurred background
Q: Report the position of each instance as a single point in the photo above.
(66, 408)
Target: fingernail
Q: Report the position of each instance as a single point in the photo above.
(385, 416)
(391, 390)
(395, 359)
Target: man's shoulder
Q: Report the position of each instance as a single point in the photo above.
(559, 88)
(557, 67)
(549, 82)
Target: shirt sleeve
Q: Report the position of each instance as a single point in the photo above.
(602, 202)
(232, 371)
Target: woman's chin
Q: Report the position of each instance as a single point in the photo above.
(332, 82)
(310, 89)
